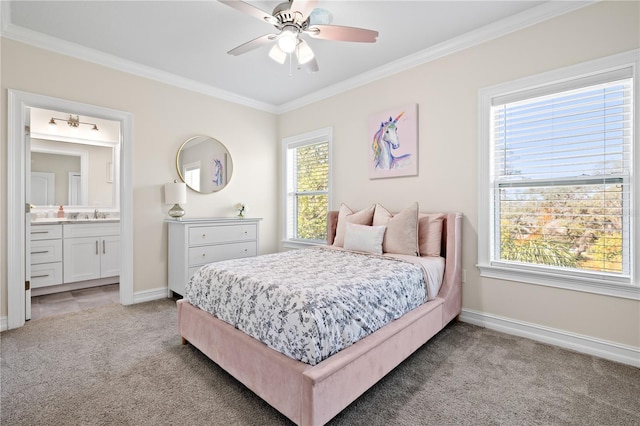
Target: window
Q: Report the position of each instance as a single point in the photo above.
(556, 184)
(307, 187)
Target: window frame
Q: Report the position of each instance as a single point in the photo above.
(598, 283)
(309, 138)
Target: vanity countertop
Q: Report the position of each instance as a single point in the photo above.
(54, 220)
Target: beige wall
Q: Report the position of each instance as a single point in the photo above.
(163, 118)
(446, 91)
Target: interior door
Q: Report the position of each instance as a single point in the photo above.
(27, 216)
(42, 187)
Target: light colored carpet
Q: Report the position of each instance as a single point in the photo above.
(124, 365)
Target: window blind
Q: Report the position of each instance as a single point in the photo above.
(562, 177)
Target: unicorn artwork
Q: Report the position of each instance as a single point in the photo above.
(389, 157)
(218, 172)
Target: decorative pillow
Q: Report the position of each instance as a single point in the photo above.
(346, 215)
(430, 233)
(364, 238)
(401, 236)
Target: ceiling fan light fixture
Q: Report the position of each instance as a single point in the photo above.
(288, 40)
(304, 53)
(277, 54)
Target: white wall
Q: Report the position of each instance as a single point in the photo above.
(446, 91)
(163, 118)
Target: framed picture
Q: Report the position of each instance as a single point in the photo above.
(393, 142)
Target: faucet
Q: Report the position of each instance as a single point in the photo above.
(95, 214)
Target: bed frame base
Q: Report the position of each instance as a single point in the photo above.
(313, 395)
(309, 395)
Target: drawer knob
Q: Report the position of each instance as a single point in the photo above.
(204, 235)
(245, 232)
(204, 255)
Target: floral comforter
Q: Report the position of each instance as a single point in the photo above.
(308, 304)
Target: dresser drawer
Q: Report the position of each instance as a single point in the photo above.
(200, 235)
(46, 251)
(46, 274)
(216, 253)
(45, 232)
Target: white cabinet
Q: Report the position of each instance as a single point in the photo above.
(91, 251)
(196, 242)
(46, 255)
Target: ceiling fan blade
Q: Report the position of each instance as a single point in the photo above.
(303, 6)
(253, 44)
(250, 10)
(337, 32)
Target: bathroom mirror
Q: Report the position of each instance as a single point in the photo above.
(204, 164)
(72, 174)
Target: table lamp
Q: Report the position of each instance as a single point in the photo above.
(175, 193)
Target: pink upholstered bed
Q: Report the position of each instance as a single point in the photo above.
(313, 394)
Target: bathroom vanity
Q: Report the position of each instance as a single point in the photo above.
(71, 254)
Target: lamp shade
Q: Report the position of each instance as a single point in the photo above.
(175, 193)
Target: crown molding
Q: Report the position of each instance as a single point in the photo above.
(56, 45)
(489, 32)
(484, 34)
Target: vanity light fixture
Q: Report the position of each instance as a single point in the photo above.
(72, 122)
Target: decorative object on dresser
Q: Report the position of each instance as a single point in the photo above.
(175, 193)
(196, 242)
(241, 208)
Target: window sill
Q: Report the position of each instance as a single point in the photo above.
(596, 285)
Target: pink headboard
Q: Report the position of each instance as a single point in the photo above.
(451, 289)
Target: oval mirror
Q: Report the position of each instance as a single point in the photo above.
(204, 164)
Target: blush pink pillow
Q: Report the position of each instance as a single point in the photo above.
(401, 236)
(430, 233)
(346, 215)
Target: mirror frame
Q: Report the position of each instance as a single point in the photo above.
(207, 139)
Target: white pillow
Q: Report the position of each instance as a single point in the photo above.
(364, 238)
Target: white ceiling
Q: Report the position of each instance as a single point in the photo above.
(185, 42)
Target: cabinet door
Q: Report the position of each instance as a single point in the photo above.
(109, 256)
(81, 259)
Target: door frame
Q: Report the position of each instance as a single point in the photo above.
(18, 102)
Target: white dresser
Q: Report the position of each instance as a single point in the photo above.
(196, 242)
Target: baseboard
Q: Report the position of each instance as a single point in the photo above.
(3, 324)
(149, 295)
(565, 339)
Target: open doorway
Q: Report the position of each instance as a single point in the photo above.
(19, 106)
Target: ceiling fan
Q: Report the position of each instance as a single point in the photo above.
(292, 19)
